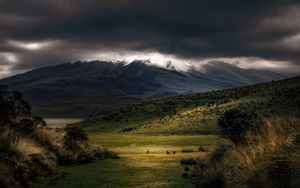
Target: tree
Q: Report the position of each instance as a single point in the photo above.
(12, 105)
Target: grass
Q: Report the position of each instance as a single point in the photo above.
(160, 130)
(24, 147)
(195, 119)
(198, 113)
(129, 171)
(270, 158)
(136, 167)
(141, 143)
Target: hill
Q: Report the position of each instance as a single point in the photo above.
(199, 113)
(260, 124)
(83, 89)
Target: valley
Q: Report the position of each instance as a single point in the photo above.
(149, 94)
(144, 159)
(153, 138)
(177, 141)
(136, 167)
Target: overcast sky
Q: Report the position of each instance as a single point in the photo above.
(250, 33)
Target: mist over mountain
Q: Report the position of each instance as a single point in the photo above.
(82, 89)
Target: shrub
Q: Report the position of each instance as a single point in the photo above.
(25, 126)
(23, 147)
(260, 162)
(12, 105)
(127, 129)
(188, 162)
(103, 153)
(235, 124)
(65, 157)
(75, 133)
(221, 152)
(29, 149)
(203, 149)
(187, 150)
(38, 121)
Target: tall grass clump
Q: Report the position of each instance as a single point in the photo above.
(22, 147)
(267, 158)
(29, 149)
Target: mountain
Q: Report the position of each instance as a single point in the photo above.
(87, 88)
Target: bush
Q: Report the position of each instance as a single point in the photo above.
(38, 121)
(261, 162)
(127, 129)
(221, 152)
(187, 150)
(25, 126)
(203, 149)
(75, 133)
(103, 153)
(29, 149)
(73, 136)
(236, 123)
(65, 157)
(188, 162)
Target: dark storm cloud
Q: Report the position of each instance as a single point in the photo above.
(191, 29)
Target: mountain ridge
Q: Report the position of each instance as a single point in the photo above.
(86, 88)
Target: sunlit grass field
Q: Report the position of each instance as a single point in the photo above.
(123, 143)
(143, 162)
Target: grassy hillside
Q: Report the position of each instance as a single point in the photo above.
(199, 113)
(178, 141)
(260, 121)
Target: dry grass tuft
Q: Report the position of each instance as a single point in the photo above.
(277, 135)
(240, 165)
(21, 147)
(51, 137)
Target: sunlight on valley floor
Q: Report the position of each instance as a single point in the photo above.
(143, 162)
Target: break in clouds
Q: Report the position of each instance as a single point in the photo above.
(251, 34)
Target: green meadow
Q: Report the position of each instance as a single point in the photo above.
(143, 162)
(150, 137)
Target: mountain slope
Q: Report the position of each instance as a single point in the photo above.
(199, 113)
(83, 89)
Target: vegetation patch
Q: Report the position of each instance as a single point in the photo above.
(187, 150)
(267, 158)
(30, 150)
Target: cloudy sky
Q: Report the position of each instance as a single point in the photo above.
(261, 34)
